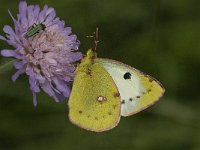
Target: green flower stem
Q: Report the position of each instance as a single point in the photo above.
(5, 67)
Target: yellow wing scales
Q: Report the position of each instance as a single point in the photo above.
(94, 102)
(153, 91)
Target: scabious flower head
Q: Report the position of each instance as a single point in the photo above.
(48, 56)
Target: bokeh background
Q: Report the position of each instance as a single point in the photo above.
(159, 37)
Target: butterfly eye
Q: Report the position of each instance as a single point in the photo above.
(127, 75)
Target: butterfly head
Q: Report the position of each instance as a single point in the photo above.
(88, 60)
(91, 54)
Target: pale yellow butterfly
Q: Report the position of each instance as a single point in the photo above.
(105, 89)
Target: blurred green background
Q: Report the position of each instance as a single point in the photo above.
(159, 37)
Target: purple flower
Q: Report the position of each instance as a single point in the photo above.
(47, 57)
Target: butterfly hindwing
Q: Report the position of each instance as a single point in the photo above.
(94, 102)
(137, 90)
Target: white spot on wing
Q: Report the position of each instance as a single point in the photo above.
(101, 99)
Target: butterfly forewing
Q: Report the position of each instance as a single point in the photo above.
(94, 102)
(137, 90)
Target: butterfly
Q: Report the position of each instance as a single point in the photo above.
(104, 90)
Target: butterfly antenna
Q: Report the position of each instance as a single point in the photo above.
(95, 36)
(96, 39)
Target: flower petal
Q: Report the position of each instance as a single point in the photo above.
(8, 53)
(3, 38)
(18, 64)
(34, 99)
(75, 57)
(36, 13)
(33, 85)
(30, 15)
(49, 11)
(7, 29)
(60, 97)
(68, 30)
(42, 14)
(17, 74)
(23, 13)
(48, 89)
(62, 86)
